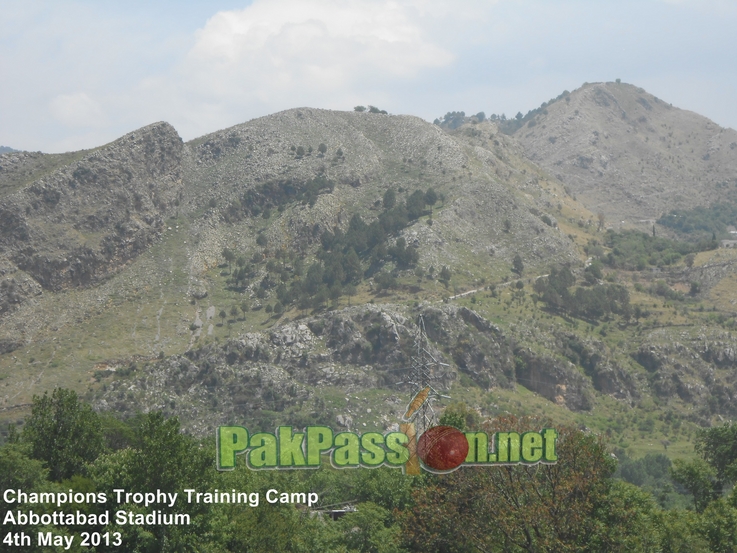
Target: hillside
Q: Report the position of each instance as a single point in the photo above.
(76, 226)
(630, 155)
(275, 271)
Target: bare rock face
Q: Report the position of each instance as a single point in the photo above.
(607, 374)
(478, 348)
(85, 220)
(553, 379)
(697, 369)
(630, 155)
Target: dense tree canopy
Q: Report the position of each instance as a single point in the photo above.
(63, 432)
(573, 505)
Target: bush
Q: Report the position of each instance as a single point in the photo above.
(517, 265)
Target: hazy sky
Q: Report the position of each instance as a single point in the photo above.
(79, 74)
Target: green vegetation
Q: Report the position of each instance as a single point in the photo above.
(588, 302)
(576, 504)
(261, 199)
(343, 259)
(509, 126)
(701, 221)
(635, 251)
(63, 433)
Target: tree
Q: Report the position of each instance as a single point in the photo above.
(63, 432)
(245, 308)
(229, 256)
(368, 530)
(18, 471)
(390, 199)
(708, 477)
(359, 108)
(352, 267)
(698, 478)
(719, 526)
(507, 225)
(222, 315)
(300, 151)
(718, 447)
(431, 197)
(322, 148)
(161, 458)
(461, 416)
(384, 281)
(517, 265)
(445, 275)
(602, 219)
(415, 204)
(542, 508)
(350, 291)
(233, 311)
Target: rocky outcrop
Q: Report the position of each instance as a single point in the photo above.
(85, 220)
(558, 381)
(352, 350)
(607, 375)
(699, 370)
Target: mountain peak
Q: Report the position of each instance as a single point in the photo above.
(629, 154)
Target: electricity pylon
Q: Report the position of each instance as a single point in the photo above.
(420, 415)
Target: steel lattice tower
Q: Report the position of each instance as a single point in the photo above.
(420, 415)
(421, 377)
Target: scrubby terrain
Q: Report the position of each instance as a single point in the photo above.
(276, 271)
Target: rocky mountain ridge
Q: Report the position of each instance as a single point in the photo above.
(114, 271)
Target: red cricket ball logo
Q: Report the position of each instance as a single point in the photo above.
(442, 448)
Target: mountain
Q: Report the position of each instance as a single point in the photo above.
(275, 271)
(76, 226)
(6, 149)
(629, 155)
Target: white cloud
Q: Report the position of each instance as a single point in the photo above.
(80, 73)
(77, 110)
(349, 36)
(278, 54)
